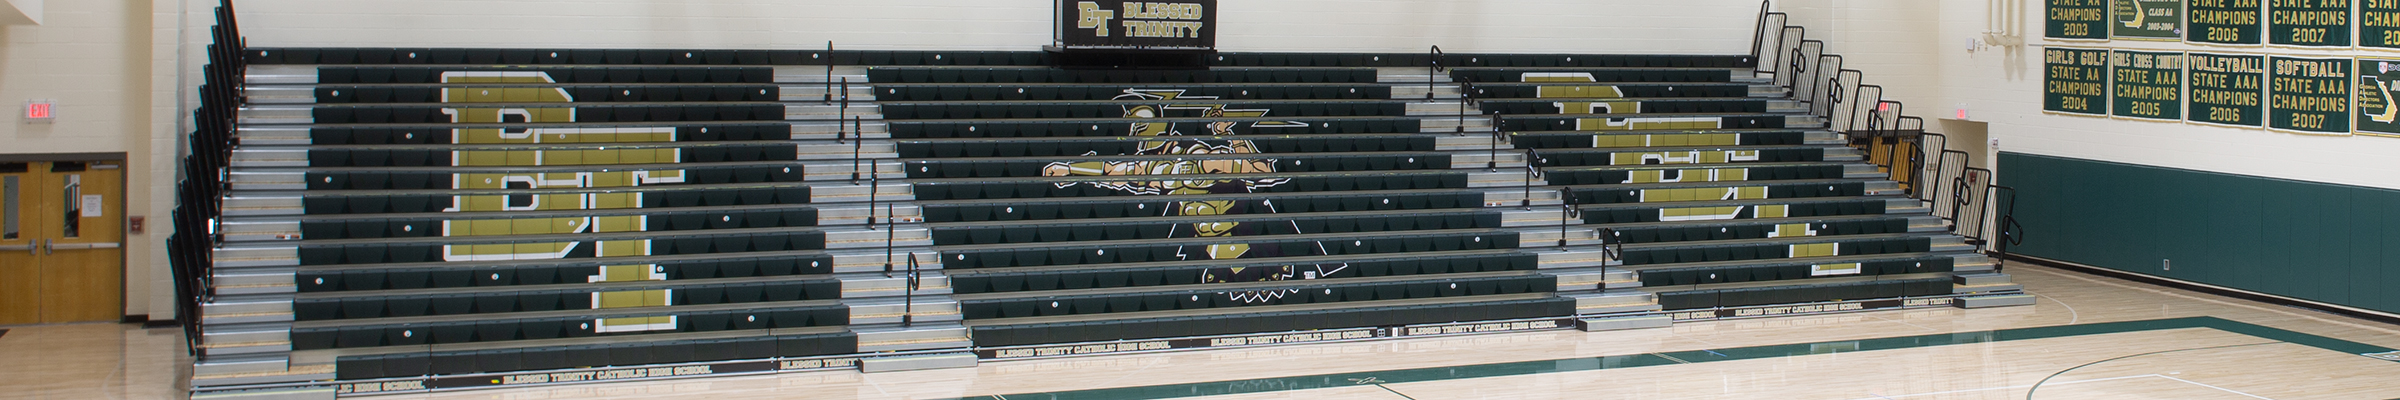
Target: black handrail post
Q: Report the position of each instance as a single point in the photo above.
(908, 305)
(1533, 170)
(1492, 164)
(829, 72)
(1759, 41)
(891, 232)
(1433, 70)
(1465, 96)
(873, 186)
(857, 149)
(1566, 215)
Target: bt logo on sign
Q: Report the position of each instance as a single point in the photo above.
(1094, 18)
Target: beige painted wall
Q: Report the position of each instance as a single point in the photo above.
(1618, 26)
(95, 59)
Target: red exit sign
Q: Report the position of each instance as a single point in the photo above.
(39, 111)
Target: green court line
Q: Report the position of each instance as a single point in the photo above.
(1307, 382)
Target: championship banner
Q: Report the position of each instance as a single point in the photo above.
(2230, 22)
(2226, 89)
(2379, 24)
(2378, 108)
(2075, 19)
(2309, 95)
(2155, 20)
(1180, 24)
(2075, 81)
(2310, 23)
(2146, 86)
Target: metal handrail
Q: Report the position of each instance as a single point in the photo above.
(1568, 213)
(1466, 97)
(2010, 233)
(1492, 164)
(1434, 69)
(1612, 243)
(908, 302)
(1533, 172)
(829, 73)
(1788, 56)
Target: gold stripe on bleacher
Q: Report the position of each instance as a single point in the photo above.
(1690, 175)
(1599, 107)
(1676, 139)
(1683, 157)
(1816, 250)
(1637, 124)
(1579, 92)
(1792, 230)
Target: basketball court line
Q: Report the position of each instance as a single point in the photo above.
(1950, 392)
(1307, 382)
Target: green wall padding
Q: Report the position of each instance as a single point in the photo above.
(2323, 242)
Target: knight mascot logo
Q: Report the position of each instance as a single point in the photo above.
(1180, 176)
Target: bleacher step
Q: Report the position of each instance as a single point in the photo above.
(256, 257)
(1577, 257)
(798, 74)
(1979, 279)
(887, 310)
(246, 348)
(918, 362)
(1624, 323)
(278, 393)
(1439, 80)
(816, 93)
(861, 237)
(923, 336)
(1443, 107)
(871, 285)
(830, 130)
(295, 374)
(842, 170)
(280, 75)
(1506, 177)
(209, 366)
(844, 151)
(859, 214)
(1613, 302)
(248, 206)
(1472, 142)
(1450, 125)
(1592, 276)
(834, 112)
(1542, 216)
(1993, 301)
(873, 260)
(1417, 92)
(860, 192)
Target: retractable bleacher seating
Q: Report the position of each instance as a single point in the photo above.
(444, 212)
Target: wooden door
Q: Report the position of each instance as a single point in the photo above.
(20, 270)
(66, 260)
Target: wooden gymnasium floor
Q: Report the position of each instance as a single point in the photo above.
(2088, 338)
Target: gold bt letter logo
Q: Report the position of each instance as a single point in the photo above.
(1094, 18)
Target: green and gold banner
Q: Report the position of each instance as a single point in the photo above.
(2226, 89)
(2312, 23)
(2379, 24)
(2147, 85)
(2158, 20)
(2309, 95)
(2378, 109)
(2075, 81)
(2235, 22)
(2075, 19)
